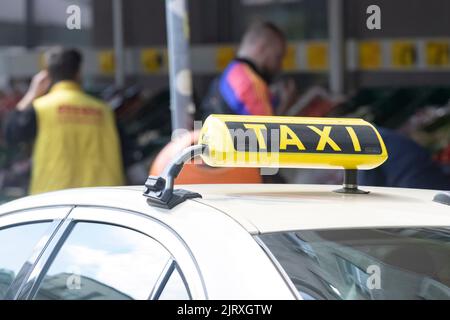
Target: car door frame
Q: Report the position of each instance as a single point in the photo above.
(56, 216)
(139, 222)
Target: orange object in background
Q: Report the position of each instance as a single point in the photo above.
(199, 173)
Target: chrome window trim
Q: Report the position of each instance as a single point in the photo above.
(30, 215)
(54, 215)
(154, 229)
(32, 284)
(170, 268)
(162, 280)
(279, 267)
(25, 272)
(186, 286)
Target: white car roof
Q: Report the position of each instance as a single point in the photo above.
(274, 208)
(270, 208)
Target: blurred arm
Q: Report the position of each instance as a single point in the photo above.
(20, 126)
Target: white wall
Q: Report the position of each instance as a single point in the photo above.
(12, 11)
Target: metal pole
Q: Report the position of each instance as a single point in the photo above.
(337, 46)
(178, 36)
(29, 24)
(119, 52)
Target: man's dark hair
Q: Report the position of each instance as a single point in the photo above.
(263, 28)
(63, 64)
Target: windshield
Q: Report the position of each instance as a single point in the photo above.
(369, 264)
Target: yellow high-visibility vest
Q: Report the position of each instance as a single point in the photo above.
(77, 143)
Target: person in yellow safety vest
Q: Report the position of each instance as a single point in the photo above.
(76, 141)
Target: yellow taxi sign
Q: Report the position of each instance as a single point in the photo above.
(291, 142)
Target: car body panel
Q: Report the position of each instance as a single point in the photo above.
(270, 208)
(218, 230)
(226, 272)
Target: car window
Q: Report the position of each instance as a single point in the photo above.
(17, 244)
(175, 288)
(104, 262)
(372, 264)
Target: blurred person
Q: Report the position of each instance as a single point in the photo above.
(244, 86)
(193, 173)
(409, 166)
(76, 142)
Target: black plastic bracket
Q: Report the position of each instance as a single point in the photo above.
(159, 190)
(350, 185)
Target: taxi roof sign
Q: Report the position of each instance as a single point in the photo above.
(280, 142)
(291, 142)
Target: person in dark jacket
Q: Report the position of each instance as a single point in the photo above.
(409, 166)
(244, 87)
